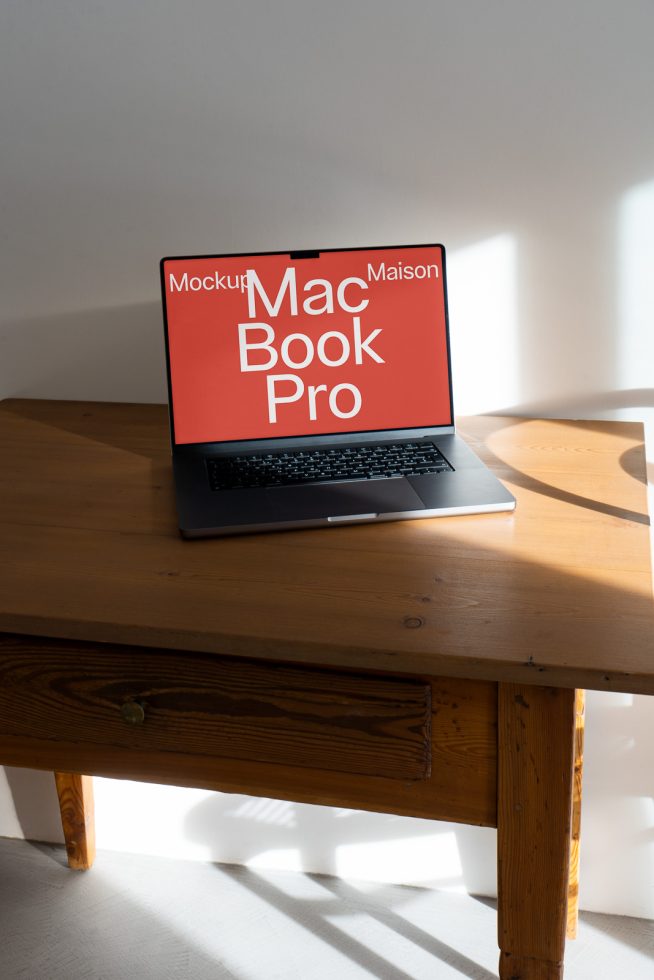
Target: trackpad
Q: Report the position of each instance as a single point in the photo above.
(369, 497)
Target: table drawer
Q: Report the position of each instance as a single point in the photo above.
(204, 705)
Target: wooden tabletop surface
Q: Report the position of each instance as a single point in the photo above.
(558, 592)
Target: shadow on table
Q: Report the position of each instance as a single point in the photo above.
(631, 461)
(596, 596)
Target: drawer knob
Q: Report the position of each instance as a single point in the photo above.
(133, 712)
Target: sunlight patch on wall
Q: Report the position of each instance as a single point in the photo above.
(146, 818)
(279, 812)
(278, 859)
(421, 860)
(482, 286)
(635, 353)
(636, 288)
(616, 847)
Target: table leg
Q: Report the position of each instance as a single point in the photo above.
(573, 880)
(77, 818)
(536, 740)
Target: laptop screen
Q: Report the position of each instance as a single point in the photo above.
(306, 343)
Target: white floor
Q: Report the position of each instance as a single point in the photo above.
(144, 917)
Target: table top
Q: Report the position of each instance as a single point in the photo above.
(557, 592)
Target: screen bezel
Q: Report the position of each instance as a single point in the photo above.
(277, 442)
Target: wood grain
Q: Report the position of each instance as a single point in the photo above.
(523, 968)
(575, 835)
(215, 706)
(536, 729)
(462, 785)
(553, 597)
(75, 794)
(565, 578)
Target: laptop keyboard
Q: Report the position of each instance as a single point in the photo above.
(325, 465)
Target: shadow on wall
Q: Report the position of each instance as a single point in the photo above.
(113, 354)
(343, 842)
(36, 804)
(620, 796)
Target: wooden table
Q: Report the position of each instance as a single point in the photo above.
(427, 668)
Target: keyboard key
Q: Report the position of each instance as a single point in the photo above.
(320, 465)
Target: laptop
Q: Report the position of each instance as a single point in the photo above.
(314, 389)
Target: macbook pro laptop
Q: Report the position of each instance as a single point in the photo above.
(314, 388)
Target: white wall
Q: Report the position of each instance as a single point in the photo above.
(518, 133)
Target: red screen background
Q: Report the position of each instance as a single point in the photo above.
(213, 401)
